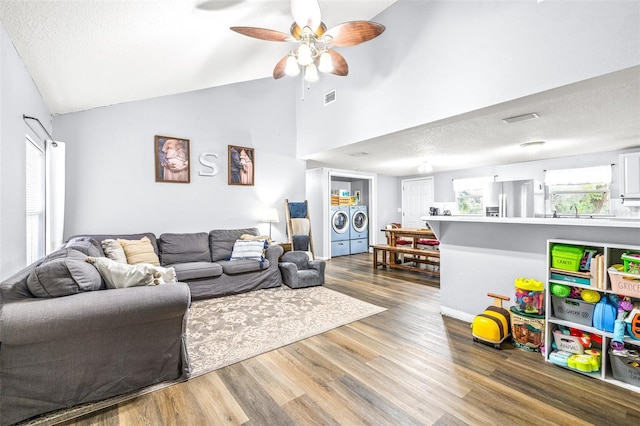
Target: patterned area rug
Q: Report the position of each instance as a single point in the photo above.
(230, 329)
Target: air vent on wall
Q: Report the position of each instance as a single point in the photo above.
(330, 97)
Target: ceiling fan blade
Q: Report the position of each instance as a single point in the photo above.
(263, 34)
(340, 66)
(306, 13)
(278, 71)
(355, 32)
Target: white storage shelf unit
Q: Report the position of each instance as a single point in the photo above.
(612, 253)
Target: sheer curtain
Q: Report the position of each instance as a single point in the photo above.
(55, 193)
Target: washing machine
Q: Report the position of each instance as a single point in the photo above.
(359, 229)
(340, 232)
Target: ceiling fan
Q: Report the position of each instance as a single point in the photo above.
(315, 42)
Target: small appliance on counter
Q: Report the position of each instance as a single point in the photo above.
(434, 211)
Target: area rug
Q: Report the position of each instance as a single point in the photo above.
(224, 331)
(230, 329)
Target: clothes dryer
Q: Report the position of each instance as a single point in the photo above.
(359, 230)
(359, 222)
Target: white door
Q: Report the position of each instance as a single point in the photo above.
(417, 197)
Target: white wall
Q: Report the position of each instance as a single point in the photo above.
(440, 59)
(110, 161)
(18, 96)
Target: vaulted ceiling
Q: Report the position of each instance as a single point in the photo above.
(92, 53)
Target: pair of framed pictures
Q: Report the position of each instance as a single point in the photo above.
(173, 164)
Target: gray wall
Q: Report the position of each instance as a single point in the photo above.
(440, 59)
(110, 161)
(18, 95)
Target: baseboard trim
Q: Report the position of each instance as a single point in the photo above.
(454, 313)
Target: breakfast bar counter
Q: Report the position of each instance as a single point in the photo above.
(486, 254)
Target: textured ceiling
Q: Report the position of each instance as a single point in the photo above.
(84, 54)
(90, 53)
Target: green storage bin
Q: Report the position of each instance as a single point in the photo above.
(566, 257)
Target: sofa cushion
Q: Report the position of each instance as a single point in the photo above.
(242, 265)
(221, 241)
(121, 275)
(66, 274)
(197, 270)
(113, 250)
(86, 245)
(101, 237)
(183, 248)
(139, 251)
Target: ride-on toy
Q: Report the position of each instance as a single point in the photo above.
(492, 326)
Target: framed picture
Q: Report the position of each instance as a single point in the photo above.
(241, 165)
(172, 159)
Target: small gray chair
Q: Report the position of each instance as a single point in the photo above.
(298, 271)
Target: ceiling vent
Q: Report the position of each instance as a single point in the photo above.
(330, 97)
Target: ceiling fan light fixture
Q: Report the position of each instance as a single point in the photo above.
(311, 73)
(305, 57)
(291, 68)
(325, 63)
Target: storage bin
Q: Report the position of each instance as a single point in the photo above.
(527, 330)
(567, 343)
(566, 257)
(625, 284)
(573, 310)
(624, 368)
(631, 262)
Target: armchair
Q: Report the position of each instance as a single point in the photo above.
(298, 271)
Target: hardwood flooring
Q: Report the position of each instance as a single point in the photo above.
(406, 366)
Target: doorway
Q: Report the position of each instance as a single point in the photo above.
(417, 196)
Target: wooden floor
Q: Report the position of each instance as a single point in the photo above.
(407, 365)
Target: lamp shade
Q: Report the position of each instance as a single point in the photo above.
(270, 215)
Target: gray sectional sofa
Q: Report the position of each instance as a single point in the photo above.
(66, 340)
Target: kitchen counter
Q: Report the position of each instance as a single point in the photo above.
(479, 254)
(618, 222)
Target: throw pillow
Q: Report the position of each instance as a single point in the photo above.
(86, 245)
(121, 275)
(114, 251)
(248, 249)
(139, 251)
(64, 275)
(255, 237)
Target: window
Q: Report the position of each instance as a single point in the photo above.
(583, 191)
(35, 196)
(468, 194)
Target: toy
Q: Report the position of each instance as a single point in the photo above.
(560, 290)
(604, 315)
(529, 296)
(590, 296)
(493, 325)
(624, 307)
(633, 321)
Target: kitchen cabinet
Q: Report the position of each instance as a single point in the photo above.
(580, 317)
(630, 176)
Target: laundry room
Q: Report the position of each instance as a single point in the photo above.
(349, 216)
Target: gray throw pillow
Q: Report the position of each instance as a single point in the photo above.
(86, 245)
(63, 276)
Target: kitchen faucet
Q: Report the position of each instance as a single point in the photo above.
(576, 209)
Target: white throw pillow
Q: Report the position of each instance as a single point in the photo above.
(248, 249)
(122, 275)
(113, 250)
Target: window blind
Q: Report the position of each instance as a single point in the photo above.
(579, 176)
(35, 196)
